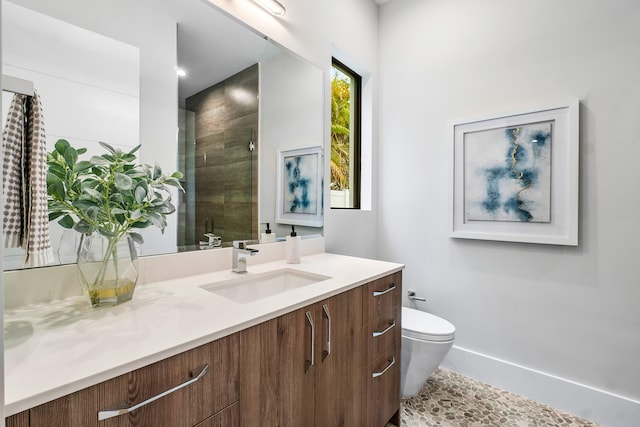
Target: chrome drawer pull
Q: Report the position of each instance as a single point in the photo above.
(313, 337)
(103, 415)
(391, 363)
(391, 325)
(378, 293)
(326, 311)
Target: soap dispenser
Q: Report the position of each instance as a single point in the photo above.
(292, 247)
(267, 236)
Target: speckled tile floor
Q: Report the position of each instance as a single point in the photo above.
(453, 400)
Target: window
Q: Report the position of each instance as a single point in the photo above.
(345, 137)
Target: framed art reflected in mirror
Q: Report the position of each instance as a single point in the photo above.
(300, 197)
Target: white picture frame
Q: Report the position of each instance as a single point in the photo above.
(507, 188)
(299, 193)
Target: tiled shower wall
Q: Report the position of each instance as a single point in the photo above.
(224, 171)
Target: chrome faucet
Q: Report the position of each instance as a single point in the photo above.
(240, 252)
(212, 242)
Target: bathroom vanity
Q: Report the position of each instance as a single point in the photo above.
(323, 353)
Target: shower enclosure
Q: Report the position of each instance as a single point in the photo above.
(219, 158)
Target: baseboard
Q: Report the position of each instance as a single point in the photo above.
(596, 405)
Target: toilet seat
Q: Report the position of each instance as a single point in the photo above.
(425, 326)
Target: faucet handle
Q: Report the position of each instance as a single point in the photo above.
(243, 244)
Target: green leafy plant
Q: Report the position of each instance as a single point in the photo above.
(112, 195)
(109, 194)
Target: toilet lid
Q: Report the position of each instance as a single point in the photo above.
(425, 326)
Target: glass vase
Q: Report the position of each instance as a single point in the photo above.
(108, 269)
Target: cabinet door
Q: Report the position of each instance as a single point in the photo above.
(20, 419)
(277, 371)
(297, 332)
(339, 352)
(259, 375)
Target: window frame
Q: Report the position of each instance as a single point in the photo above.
(356, 134)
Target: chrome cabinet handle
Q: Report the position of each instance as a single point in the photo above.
(391, 325)
(378, 293)
(103, 415)
(326, 311)
(391, 363)
(313, 337)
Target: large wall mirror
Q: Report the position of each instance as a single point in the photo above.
(108, 71)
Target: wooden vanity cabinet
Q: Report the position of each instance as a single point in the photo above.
(305, 368)
(199, 402)
(354, 381)
(382, 325)
(333, 363)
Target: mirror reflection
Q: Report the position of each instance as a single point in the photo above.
(107, 71)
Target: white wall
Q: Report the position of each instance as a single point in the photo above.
(352, 30)
(573, 313)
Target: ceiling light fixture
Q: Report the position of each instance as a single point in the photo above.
(181, 72)
(273, 6)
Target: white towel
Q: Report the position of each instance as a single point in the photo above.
(26, 221)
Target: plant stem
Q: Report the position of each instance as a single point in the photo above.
(110, 255)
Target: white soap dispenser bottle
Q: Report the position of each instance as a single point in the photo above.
(267, 236)
(292, 247)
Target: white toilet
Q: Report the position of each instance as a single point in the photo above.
(426, 340)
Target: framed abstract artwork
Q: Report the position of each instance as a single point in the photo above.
(299, 194)
(515, 176)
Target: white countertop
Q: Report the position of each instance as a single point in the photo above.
(53, 349)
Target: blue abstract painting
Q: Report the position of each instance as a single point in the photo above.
(301, 186)
(507, 173)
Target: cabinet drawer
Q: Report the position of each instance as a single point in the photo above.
(186, 406)
(383, 314)
(383, 388)
(382, 297)
(382, 334)
(214, 391)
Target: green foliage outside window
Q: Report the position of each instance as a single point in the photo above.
(340, 130)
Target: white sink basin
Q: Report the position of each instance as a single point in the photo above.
(252, 287)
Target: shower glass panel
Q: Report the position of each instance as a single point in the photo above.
(219, 189)
(218, 156)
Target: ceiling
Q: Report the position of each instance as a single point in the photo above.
(205, 55)
(211, 45)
